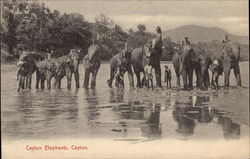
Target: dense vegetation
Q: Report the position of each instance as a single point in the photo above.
(36, 27)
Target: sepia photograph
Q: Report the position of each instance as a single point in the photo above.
(125, 79)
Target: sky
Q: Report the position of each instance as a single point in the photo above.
(231, 16)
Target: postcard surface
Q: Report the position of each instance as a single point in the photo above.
(124, 79)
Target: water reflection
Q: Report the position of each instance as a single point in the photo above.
(118, 113)
(195, 110)
(147, 113)
(231, 130)
(116, 95)
(92, 111)
(152, 128)
(73, 108)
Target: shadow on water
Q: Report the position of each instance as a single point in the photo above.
(196, 109)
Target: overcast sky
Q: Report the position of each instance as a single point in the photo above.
(229, 15)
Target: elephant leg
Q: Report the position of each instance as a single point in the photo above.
(86, 78)
(169, 80)
(28, 82)
(130, 77)
(190, 80)
(37, 79)
(23, 82)
(184, 76)
(237, 75)
(76, 74)
(226, 77)
(42, 83)
(57, 83)
(48, 83)
(138, 77)
(158, 75)
(178, 78)
(112, 75)
(152, 85)
(199, 78)
(122, 83)
(69, 78)
(93, 80)
(217, 81)
(206, 80)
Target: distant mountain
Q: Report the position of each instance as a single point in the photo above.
(202, 34)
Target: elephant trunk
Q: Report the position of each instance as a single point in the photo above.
(226, 77)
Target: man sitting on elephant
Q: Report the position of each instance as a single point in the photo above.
(186, 42)
(225, 40)
(157, 42)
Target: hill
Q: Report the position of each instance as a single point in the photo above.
(201, 34)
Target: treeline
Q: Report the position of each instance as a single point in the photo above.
(34, 26)
(37, 28)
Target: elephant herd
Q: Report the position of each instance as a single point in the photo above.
(186, 60)
(200, 62)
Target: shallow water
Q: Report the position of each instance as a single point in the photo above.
(122, 114)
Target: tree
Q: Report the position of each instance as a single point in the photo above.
(141, 28)
(139, 37)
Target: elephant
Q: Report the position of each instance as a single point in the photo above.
(229, 59)
(176, 64)
(187, 67)
(46, 70)
(66, 66)
(138, 60)
(201, 63)
(91, 63)
(188, 61)
(184, 66)
(26, 67)
(123, 59)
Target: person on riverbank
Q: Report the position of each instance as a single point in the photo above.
(167, 76)
(148, 72)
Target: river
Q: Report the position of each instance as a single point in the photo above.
(126, 115)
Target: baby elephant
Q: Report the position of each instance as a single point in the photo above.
(167, 76)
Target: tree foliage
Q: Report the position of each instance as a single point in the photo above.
(32, 25)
